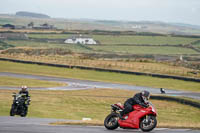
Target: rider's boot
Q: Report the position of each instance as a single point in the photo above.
(121, 116)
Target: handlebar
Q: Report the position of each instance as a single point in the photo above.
(14, 94)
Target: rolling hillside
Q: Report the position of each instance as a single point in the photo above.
(31, 14)
(88, 24)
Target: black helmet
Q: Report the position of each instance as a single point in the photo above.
(145, 95)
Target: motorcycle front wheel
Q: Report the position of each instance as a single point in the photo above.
(148, 125)
(24, 112)
(12, 111)
(111, 121)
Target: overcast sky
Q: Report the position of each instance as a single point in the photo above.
(180, 11)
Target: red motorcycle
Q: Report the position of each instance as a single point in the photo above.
(143, 118)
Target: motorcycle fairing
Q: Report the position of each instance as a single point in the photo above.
(134, 117)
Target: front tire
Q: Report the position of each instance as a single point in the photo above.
(24, 112)
(111, 121)
(12, 111)
(148, 126)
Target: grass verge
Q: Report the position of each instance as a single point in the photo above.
(95, 104)
(15, 82)
(99, 76)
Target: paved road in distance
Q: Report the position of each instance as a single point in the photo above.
(76, 84)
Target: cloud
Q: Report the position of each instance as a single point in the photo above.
(162, 10)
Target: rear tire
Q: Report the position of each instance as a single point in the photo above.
(111, 121)
(150, 126)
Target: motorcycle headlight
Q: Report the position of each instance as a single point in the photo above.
(153, 110)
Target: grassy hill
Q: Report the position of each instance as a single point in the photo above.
(31, 14)
(87, 24)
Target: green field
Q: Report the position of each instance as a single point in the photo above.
(126, 39)
(95, 104)
(74, 48)
(100, 76)
(144, 49)
(50, 36)
(117, 44)
(153, 40)
(24, 43)
(126, 49)
(18, 82)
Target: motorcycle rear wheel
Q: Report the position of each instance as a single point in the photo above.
(111, 121)
(147, 127)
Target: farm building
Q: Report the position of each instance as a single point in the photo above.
(80, 40)
(8, 26)
(44, 26)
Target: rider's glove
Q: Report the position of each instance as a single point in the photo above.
(145, 105)
(29, 100)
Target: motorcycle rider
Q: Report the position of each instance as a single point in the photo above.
(27, 96)
(139, 98)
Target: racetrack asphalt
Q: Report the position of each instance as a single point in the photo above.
(77, 84)
(41, 125)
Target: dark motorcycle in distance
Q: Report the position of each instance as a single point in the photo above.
(18, 107)
(140, 117)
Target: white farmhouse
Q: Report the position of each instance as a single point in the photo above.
(80, 40)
